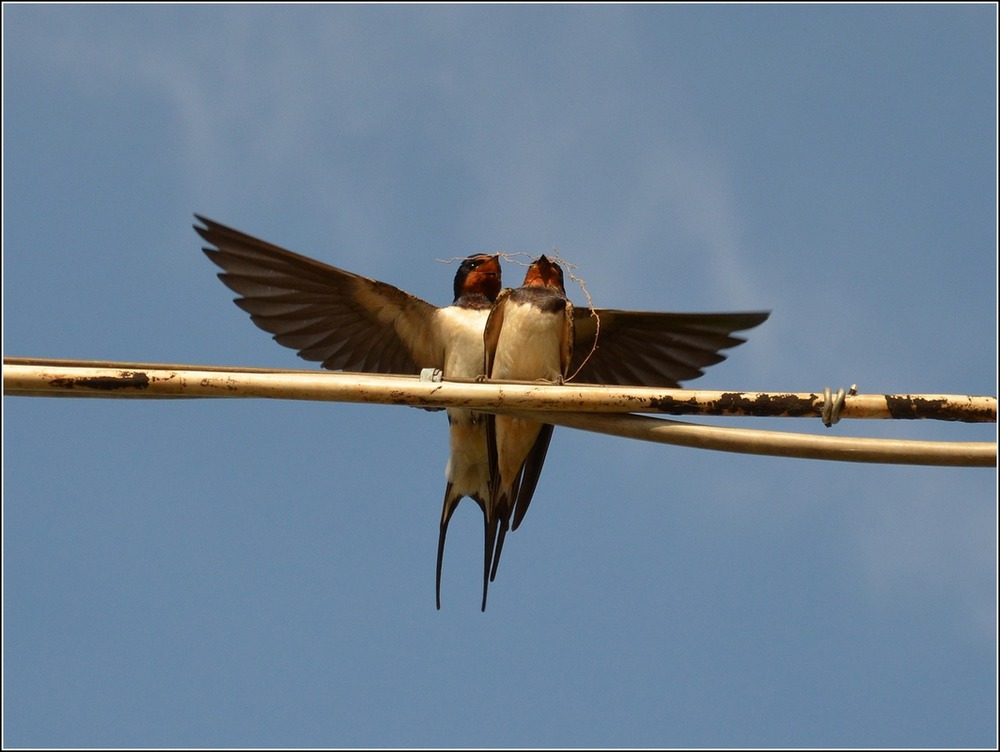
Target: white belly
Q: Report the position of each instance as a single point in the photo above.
(529, 347)
(461, 330)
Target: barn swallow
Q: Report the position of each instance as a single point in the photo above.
(349, 322)
(535, 333)
(529, 337)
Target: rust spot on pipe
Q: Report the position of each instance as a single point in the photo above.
(904, 407)
(673, 406)
(739, 403)
(124, 380)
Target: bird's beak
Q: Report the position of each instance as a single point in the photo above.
(542, 273)
(492, 266)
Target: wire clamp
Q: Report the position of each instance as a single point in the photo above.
(431, 374)
(832, 405)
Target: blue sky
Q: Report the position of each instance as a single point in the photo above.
(257, 573)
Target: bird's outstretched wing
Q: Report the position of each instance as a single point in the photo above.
(639, 348)
(343, 320)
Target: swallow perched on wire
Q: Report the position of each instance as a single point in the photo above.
(534, 333)
(529, 337)
(349, 322)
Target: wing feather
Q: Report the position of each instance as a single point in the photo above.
(640, 348)
(343, 320)
(491, 334)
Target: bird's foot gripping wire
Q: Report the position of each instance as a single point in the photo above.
(834, 403)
